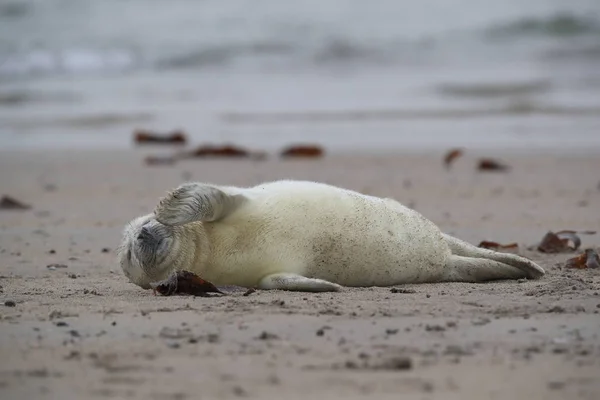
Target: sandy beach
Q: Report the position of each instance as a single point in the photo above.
(81, 330)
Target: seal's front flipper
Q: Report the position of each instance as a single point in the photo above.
(288, 281)
(192, 202)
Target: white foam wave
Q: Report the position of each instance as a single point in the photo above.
(39, 62)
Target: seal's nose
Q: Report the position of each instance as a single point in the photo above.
(144, 233)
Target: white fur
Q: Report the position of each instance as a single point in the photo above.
(300, 235)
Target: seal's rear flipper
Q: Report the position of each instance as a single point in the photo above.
(288, 281)
(470, 269)
(528, 268)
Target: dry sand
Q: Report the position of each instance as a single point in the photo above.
(84, 332)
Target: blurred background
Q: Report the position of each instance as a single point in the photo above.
(347, 74)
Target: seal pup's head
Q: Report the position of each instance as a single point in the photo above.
(150, 251)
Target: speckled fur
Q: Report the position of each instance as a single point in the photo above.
(301, 235)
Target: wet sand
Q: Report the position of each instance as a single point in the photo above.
(84, 331)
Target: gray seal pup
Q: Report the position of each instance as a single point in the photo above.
(303, 236)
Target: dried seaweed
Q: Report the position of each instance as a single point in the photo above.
(9, 203)
(303, 151)
(487, 164)
(184, 282)
(497, 246)
(451, 156)
(559, 242)
(221, 151)
(588, 259)
(149, 137)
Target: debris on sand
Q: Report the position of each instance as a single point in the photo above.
(487, 164)
(148, 137)
(485, 244)
(451, 156)
(10, 203)
(160, 160)
(588, 259)
(184, 282)
(562, 241)
(227, 150)
(402, 290)
(383, 363)
(302, 151)
(52, 267)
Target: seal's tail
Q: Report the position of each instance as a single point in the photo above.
(473, 264)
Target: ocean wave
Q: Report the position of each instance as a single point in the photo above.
(516, 108)
(92, 121)
(225, 54)
(589, 52)
(323, 49)
(557, 25)
(20, 97)
(14, 9)
(491, 89)
(42, 62)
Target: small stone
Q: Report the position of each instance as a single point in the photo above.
(114, 323)
(481, 321)
(213, 338)
(73, 355)
(556, 309)
(267, 336)
(10, 303)
(105, 250)
(239, 391)
(391, 331)
(61, 323)
(74, 333)
(400, 290)
(72, 276)
(428, 295)
(434, 328)
(397, 363)
(556, 385)
(560, 350)
(55, 266)
(320, 332)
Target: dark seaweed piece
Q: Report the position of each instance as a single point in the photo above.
(9, 203)
(149, 137)
(184, 282)
(559, 242)
(451, 156)
(485, 244)
(487, 164)
(303, 151)
(588, 259)
(220, 151)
